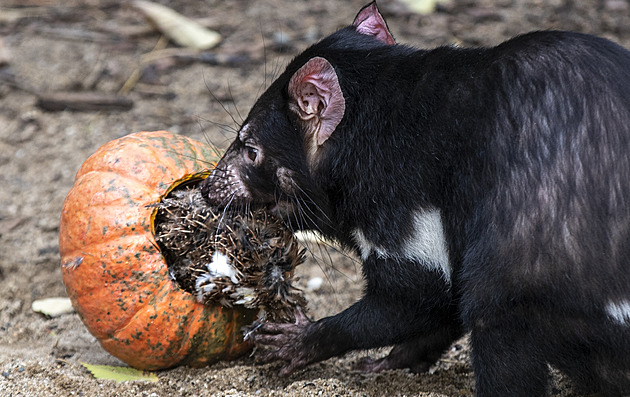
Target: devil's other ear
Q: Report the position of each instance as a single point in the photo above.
(369, 21)
(317, 97)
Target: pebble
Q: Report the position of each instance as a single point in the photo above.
(53, 307)
(314, 284)
(282, 42)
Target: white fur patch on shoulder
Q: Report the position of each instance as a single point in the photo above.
(367, 247)
(619, 311)
(427, 243)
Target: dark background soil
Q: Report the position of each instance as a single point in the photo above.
(48, 46)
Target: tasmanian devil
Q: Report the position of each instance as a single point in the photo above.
(485, 190)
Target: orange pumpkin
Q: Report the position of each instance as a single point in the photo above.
(113, 271)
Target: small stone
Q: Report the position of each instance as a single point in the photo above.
(282, 42)
(314, 284)
(53, 307)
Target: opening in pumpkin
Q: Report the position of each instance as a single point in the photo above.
(229, 258)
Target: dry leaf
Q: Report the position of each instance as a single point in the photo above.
(423, 7)
(5, 55)
(120, 374)
(183, 31)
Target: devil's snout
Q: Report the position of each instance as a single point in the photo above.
(223, 186)
(212, 190)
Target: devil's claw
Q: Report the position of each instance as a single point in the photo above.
(285, 342)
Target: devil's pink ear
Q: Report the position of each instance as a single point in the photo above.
(317, 97)
(369, 21)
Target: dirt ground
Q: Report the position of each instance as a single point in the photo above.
(47, 46)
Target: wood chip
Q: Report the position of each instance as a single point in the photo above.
(5, 54)
(83, 101)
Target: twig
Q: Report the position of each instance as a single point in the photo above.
(137, 72)
(83, 101)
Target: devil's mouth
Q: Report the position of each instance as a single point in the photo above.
(281, 209)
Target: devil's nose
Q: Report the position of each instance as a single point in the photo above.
(211, 192)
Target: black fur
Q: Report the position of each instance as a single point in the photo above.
(524, 150)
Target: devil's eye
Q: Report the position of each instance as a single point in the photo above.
(252, 153)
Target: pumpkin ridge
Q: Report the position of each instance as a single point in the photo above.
(89, 231)
(111, 303)
(142, 246)
(188, 155)
(138, 183)
(175, 351)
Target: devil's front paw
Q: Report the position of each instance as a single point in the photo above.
(370, 365)
(286, 342)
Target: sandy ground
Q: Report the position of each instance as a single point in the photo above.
(52, 45)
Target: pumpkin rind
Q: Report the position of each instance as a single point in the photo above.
(113, 271)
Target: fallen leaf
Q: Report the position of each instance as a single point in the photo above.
(52, 307)
(183, 31)
(423, 7)
(314, 284)
(10, 15)
(5, 55)
(120, 374)
(83, 101)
